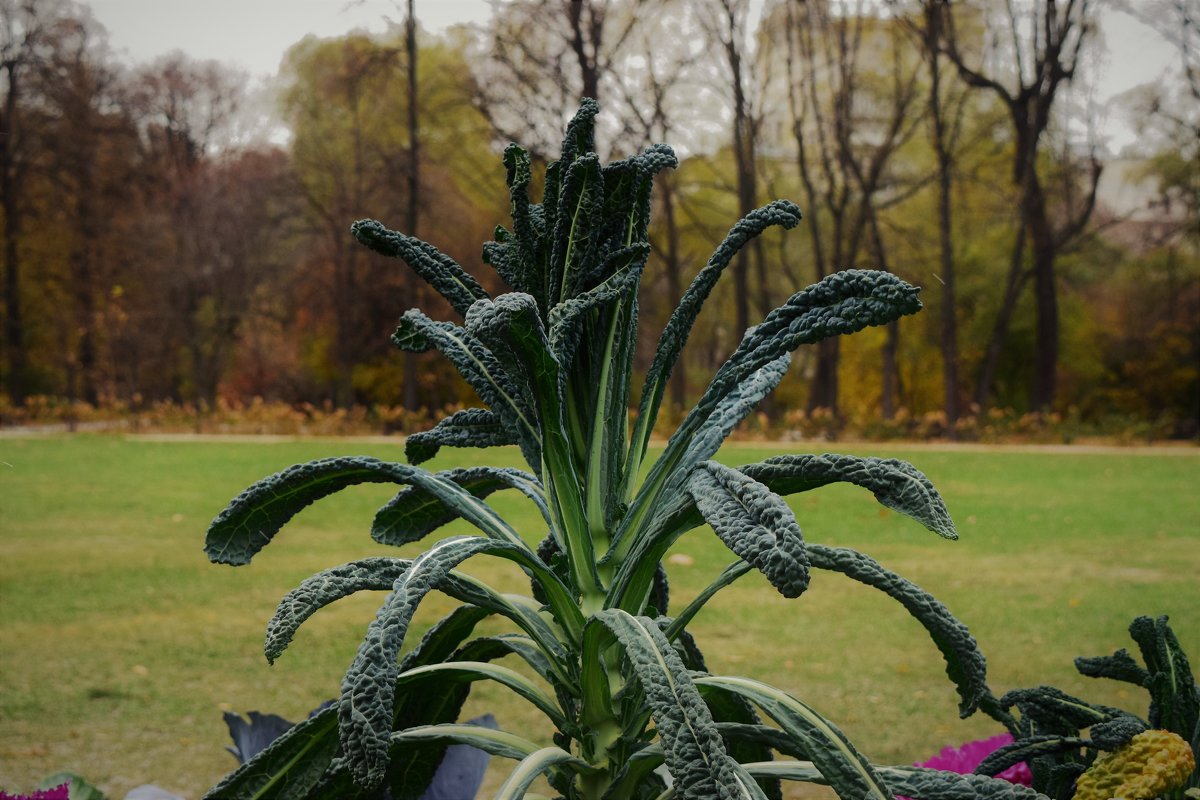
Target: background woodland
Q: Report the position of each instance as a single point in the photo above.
(173, 234)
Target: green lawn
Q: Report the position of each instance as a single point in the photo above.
(120, 644)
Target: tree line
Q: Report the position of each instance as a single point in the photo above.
(154, 248)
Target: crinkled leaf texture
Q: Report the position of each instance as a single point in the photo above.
(439, 270)
(695, 753)
(416, 512)
(323, 588)
(289, 767)
(753, 522)
(366, 706)
(836, 758)
(253, 518)
(896, 484)
(505, 394)
(916, 783)
(471, 427)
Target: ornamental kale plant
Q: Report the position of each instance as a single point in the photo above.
(630, 707)
(1083, 751)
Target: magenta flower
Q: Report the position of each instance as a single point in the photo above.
(965, 758)
(57, 793)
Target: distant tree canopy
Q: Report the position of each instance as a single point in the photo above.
(152, 250)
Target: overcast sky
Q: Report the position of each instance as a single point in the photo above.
(254, 34)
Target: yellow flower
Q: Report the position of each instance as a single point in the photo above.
(1153, 763)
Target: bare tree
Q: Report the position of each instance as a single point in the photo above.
(541, 57)
(26, 28)
(847, 126)
(413, 217)
(944, 113)
(658, 101)
(726, 22)
(1046, 55)
(336, 87)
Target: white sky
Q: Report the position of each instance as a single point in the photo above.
(254, 34)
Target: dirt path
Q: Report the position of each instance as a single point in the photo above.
(1183, 449)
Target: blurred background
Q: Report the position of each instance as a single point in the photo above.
(179, 180)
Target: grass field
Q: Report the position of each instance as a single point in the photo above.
(120, 644)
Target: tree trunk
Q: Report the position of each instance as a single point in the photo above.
(1045, 291)
(84, 280)
(941, 145)
(673, 268)
(995, 345)
(411, 398)
(889, 374)
(588, 72)
(825, 381)
(14, 330)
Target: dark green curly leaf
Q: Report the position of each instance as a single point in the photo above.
(512, 329)
(627, 189)
(735, 716)
(580, 137)
(287, 768)
(323, 588)
(523, 265)
(253, 518)
(695, 754)
(1052, 711)
(916, 783)
(576, 237)
(565, 318)
(919, 783)
(368, 700)
(471, 427)
(850, 774)
(480, 368)
(734, 408)
(1027, 750)
(679, 326)
(841, 303)
(1174, 697)
(896, 484)
(1120, 666)
(411, 769)
(752, 522)
(1116, 732)
(439, 270)
(965, 664)
(416, 512)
